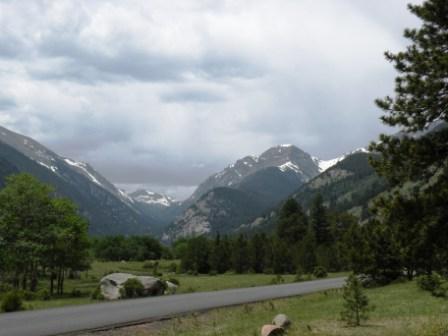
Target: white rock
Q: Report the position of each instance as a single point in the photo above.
(111, 284)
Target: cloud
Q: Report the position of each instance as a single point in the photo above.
(195, 96)
(7, 103)
(146, 90)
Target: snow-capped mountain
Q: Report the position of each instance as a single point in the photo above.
(284, 157)
(152, 198)
(326, 164)
(108, 209)
(244, 190)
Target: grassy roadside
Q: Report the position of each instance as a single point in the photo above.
(401, 310)
(89, 280)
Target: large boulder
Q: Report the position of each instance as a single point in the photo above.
(112, 284)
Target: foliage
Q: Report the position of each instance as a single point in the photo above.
(132, 288)
(356, 303)
(429, 282)
(96, 294)
(418, 157)
(433, 283)
(174, 281)
(320, 272)
(12, 302)
(39, 232)
(133, 248)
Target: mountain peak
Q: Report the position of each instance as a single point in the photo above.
(286, 157)
(151, 197)
(326, 164)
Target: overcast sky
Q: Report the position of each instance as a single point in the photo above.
(162, 93)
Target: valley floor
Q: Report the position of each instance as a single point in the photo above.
(88, 281)
(400, 310)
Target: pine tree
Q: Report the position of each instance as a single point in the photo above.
(420, 102)
(258, 252)
(240, 255)
(356, 303)
(292, 222)
(307, 251)
(320, 222)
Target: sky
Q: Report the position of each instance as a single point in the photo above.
(161, 94)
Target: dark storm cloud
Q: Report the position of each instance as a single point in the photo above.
(130, 88)
(89, 65)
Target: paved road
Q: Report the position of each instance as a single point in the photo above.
(58, 321)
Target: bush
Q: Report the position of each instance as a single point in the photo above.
(96, 294)
(299, 275)
(27, 295)
(277, 280)
(172, 268)
(5, 287)
(441, 291)
(44, 295)
(148, 265)
(213, 273)
(174, 281)
(429, 282)
(132, 288)
(320, 272)
(76, 293)
(12, 301)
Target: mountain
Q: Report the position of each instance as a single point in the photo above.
(161, 208)
(350, 185)
(108, 209)
(284, 157)
(244, 190)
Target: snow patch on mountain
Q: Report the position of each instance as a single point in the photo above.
(150, 197)
(326, 164)
(290, 166)
(54, 169)
(83, 167)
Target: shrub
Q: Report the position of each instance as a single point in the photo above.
(28, 295)
(429, 282)
(44, 295)
(76, 293)
(320, 272)
(96, 294)
(132, 288)
(213, 273)
(441, 290)
(148, 265)
(174, 281)
(356, 303)
(299, 275)
(277, 280)
(12, 301)
(5, 287)
(172, 268)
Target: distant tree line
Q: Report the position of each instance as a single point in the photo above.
(41, 236)
(301, 243)
(133, 248)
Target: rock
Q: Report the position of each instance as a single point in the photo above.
(271, 330)
(111, 284)
(282, 321)
(170, 288)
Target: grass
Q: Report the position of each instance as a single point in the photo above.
(401, 310)
(89, 280)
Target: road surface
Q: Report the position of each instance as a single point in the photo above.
(72, 319)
